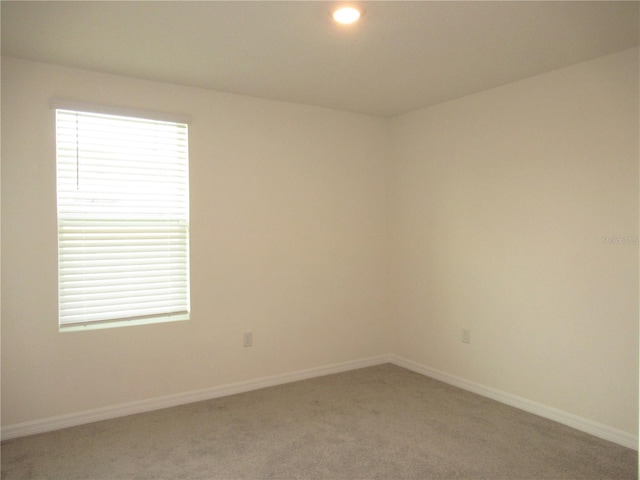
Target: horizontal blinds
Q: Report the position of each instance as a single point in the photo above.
(123, 217)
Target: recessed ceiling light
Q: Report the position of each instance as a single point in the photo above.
(346, 15)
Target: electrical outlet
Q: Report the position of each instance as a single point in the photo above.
(247, 339)
(466, 335)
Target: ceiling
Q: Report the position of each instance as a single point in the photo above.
(401, 56)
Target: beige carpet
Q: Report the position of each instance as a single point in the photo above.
(382, 422)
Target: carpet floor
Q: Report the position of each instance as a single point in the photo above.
(382, 422)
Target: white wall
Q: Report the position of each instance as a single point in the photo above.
(502, 200)
(336, 237)
(288, 240)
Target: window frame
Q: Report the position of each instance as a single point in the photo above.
(132, 115)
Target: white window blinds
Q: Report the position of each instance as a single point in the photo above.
(123, 218)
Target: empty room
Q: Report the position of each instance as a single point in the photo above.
(260, 240)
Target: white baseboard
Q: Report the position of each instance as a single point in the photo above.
(71, 420)
(106, 413)
(574, 421)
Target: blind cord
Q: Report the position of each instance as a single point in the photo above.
(77, 155)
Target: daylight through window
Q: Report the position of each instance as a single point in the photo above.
(123, 219)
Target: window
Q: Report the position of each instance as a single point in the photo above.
(123, 219)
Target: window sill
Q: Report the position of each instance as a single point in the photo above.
(81, 327)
